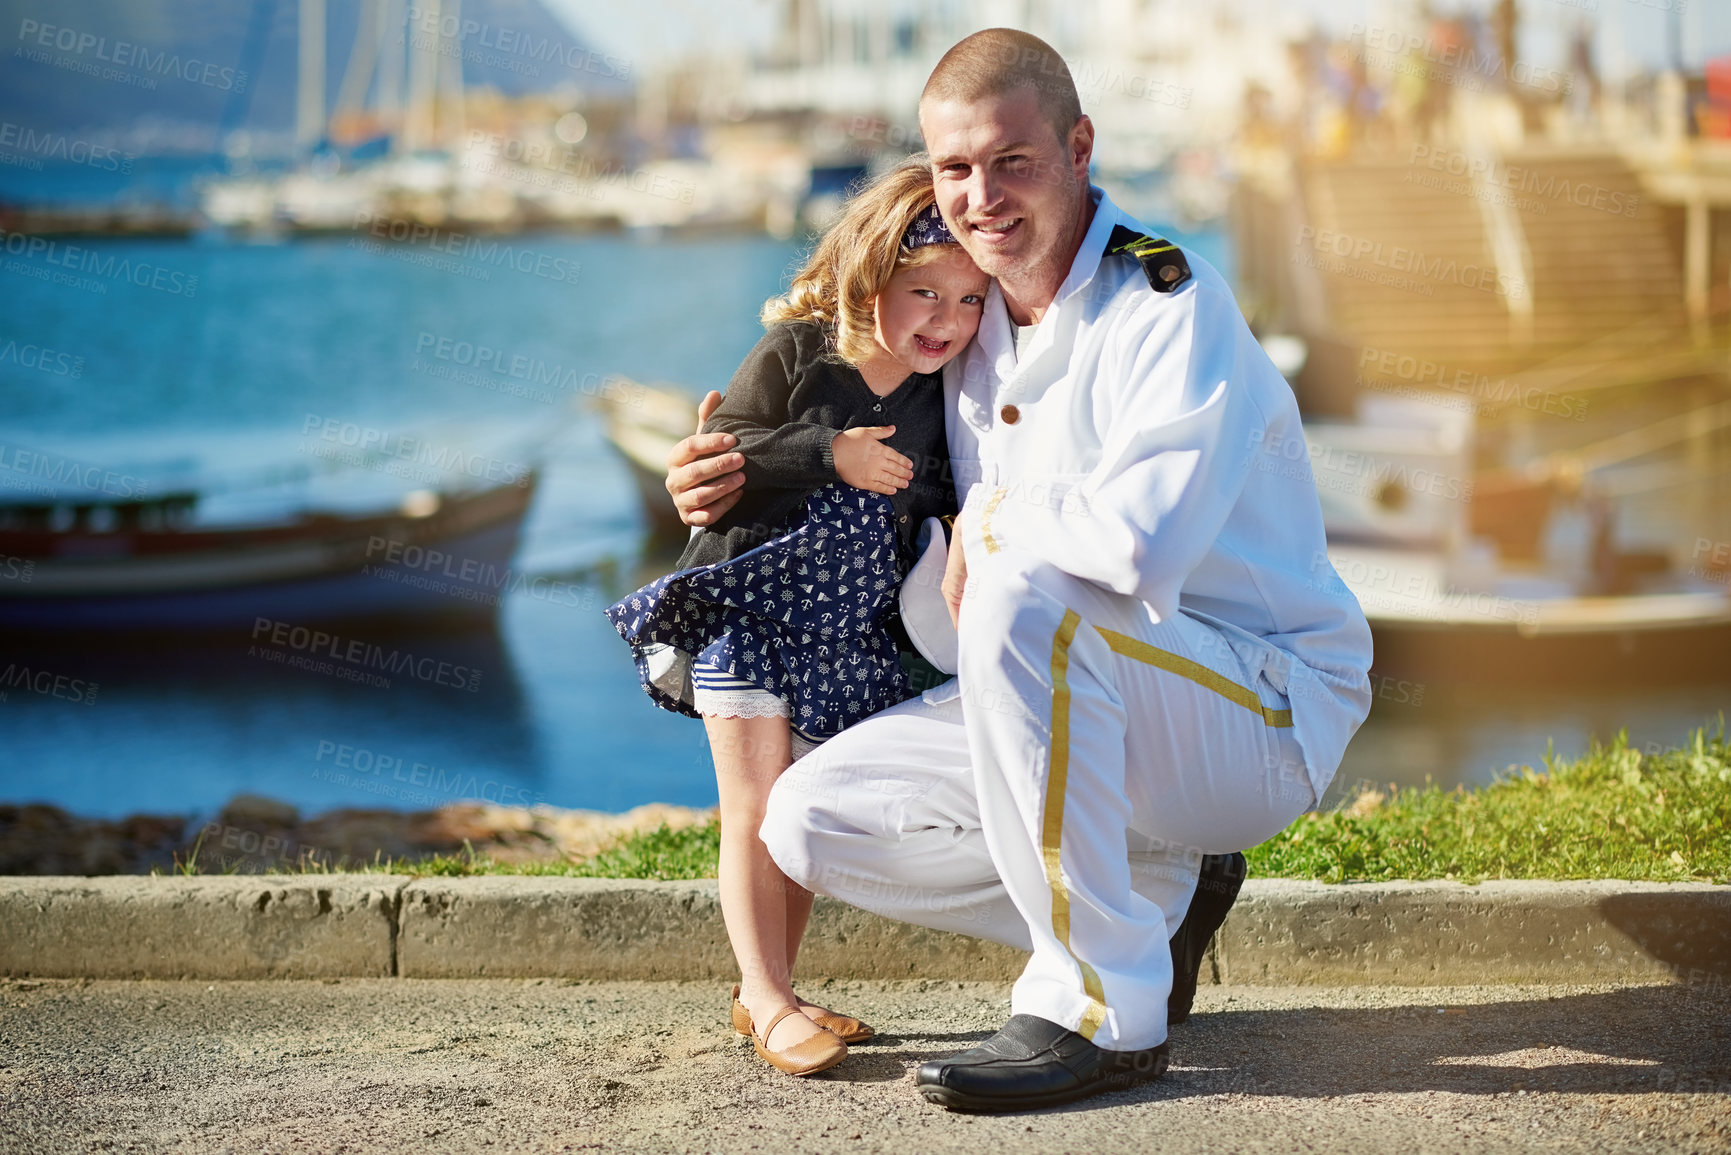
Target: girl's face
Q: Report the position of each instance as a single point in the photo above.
(925, 315)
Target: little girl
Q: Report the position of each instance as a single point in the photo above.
(778, 628)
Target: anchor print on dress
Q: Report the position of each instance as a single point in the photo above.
(773, 615)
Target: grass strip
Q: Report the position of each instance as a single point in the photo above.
(1613, 813)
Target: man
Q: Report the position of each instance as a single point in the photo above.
(1157, 661)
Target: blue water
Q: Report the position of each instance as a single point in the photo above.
(225, 379)
(170, 181)
(276, 335)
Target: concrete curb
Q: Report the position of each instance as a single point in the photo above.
(335, 925)
(220, 927)
(1443, 933)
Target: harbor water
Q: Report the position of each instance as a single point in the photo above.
(221, 357)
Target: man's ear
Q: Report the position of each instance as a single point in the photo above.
(1081, 145)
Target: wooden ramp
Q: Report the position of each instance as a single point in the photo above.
(1534, 256)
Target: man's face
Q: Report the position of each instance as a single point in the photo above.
(1011, 191)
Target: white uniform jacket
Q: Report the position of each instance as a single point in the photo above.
(1147, 444)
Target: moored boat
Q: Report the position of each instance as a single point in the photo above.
(1416, 544)
(180, 559)
(643, 424)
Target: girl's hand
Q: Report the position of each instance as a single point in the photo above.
(865, 462)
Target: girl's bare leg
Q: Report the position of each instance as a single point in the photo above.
(798, 914)
(757, 900)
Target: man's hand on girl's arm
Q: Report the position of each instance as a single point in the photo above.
(865, 462)
(955, 573)
(705, 486)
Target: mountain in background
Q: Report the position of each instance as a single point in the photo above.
(176, 76)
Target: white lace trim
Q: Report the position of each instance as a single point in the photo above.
(739, 704)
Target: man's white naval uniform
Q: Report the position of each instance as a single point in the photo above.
(1157, 660)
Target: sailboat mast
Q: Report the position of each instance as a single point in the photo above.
(451, 118)
(348, 119)
(423, 77)
(392, 21)
(310, 95)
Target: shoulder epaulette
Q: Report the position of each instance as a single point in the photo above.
(1160, 259)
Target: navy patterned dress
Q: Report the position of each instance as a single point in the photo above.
(793, 590)
(802, 616)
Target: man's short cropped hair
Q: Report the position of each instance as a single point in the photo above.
(997, 61)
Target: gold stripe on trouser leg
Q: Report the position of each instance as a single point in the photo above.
(1052, 824)
(997, 499)
(1140, 651)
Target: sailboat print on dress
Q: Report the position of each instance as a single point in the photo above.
(801, 616)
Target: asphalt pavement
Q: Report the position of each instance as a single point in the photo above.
(361, 1065)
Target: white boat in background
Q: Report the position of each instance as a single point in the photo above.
(317, 200)
(643, 422)
(1399, 489)
(245, 204)
(1415, 525)
(338, 534)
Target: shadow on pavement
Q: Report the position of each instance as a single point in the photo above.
(1639, 1040)
(1635, 1040)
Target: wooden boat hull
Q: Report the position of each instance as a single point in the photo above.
(643, 424)
(451, 563)
(1647, 654)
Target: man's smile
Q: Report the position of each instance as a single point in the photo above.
(995, 232)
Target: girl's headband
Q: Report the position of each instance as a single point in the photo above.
(928, 229)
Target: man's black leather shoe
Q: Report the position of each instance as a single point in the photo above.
(1216, 891)
(1034, 1063)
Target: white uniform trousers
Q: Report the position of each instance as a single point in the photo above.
(1057, 796)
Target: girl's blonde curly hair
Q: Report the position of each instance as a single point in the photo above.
(854, 261)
